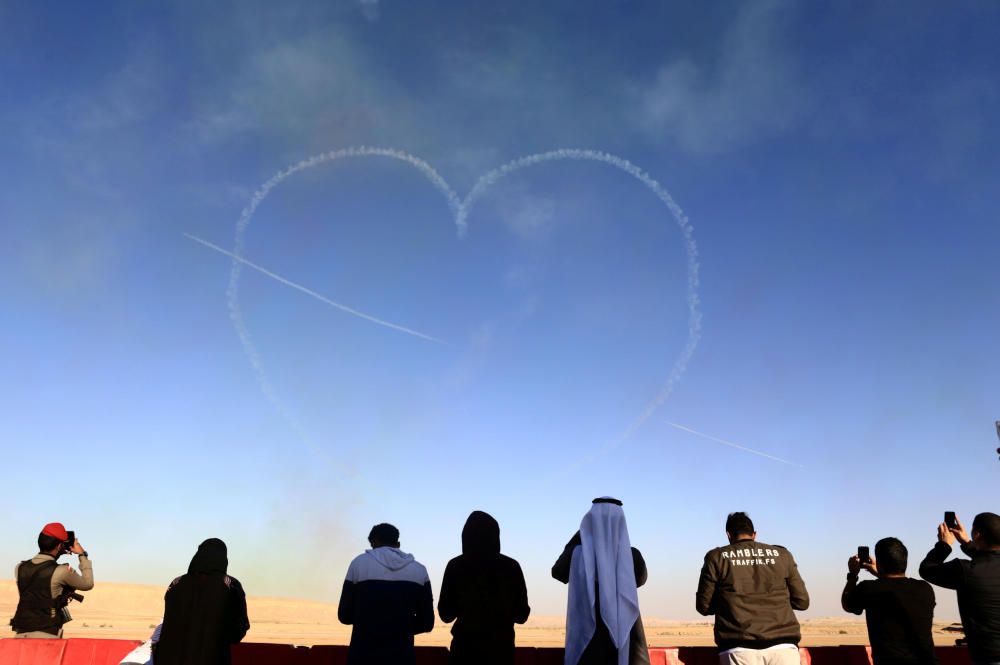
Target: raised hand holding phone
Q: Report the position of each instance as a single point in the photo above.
(958, 529)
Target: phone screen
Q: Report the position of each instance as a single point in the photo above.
(949, 520)
(863, 554)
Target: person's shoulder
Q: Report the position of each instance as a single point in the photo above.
(921, 585)
(509, 561)
(511, 565)
(357, 562)
(364, 556)
(234, 584)
(780, 551)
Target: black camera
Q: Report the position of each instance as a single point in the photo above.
(70, 539)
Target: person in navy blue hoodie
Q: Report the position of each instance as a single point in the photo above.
(387, 598)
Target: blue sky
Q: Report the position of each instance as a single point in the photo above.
(838, 166)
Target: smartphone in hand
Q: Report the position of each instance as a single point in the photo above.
(949, 520)
(863, 555)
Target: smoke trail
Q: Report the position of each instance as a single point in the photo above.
(733, 445)
(694, 313)
(310, 292)
(232, 292)
(460, 209)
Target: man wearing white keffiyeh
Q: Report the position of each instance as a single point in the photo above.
(603, 570)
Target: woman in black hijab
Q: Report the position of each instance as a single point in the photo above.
(204, 613)
(483, 591)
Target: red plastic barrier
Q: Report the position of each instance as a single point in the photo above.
(549, 656)
(81, 651)
(77, 651)
(432, 655)
(840, 655)
(251, 653)
(658, 657)
(692, 656)
(953, 655)
(15, 651)
(110, 652)
(326, 654)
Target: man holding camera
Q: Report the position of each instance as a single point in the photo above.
(899, 610)
(977, 581)
(752, 589)
(45, 588)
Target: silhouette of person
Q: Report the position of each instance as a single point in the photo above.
(484, 593)
(387, 598)
(205, 612)
(603, 570)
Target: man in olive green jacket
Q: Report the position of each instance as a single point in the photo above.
(752, 589)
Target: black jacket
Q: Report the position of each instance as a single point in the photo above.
(484, 593)
(977, 582)
(899, 613)
(752, 588)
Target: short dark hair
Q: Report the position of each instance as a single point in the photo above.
(988, 526)
(739, 524)
(891, 556)
(385, 534)
(47, 543)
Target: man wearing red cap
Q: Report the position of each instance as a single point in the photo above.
(44, 586)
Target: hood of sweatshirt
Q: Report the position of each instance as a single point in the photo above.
(391, 557)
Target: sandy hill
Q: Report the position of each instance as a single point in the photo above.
(131, 611)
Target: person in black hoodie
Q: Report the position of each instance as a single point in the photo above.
(484, 593)
(205, 611)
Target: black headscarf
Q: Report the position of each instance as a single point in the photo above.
(481, 535)
(211, 557)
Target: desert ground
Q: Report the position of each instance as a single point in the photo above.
(131, 611)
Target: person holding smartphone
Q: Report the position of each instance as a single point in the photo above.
(977, 581)
(45, 587)
(899, 610)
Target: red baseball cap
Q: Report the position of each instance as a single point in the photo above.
(56, 530)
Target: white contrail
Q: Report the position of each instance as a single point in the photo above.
(733, 445)
(693, 301)
(232, 292)
(460, 209)
(310, 292)
(694, 314)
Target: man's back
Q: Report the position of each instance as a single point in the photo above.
(46, 578)
(752, 588)
(387, 598)
(977, 582)
(899, 612)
